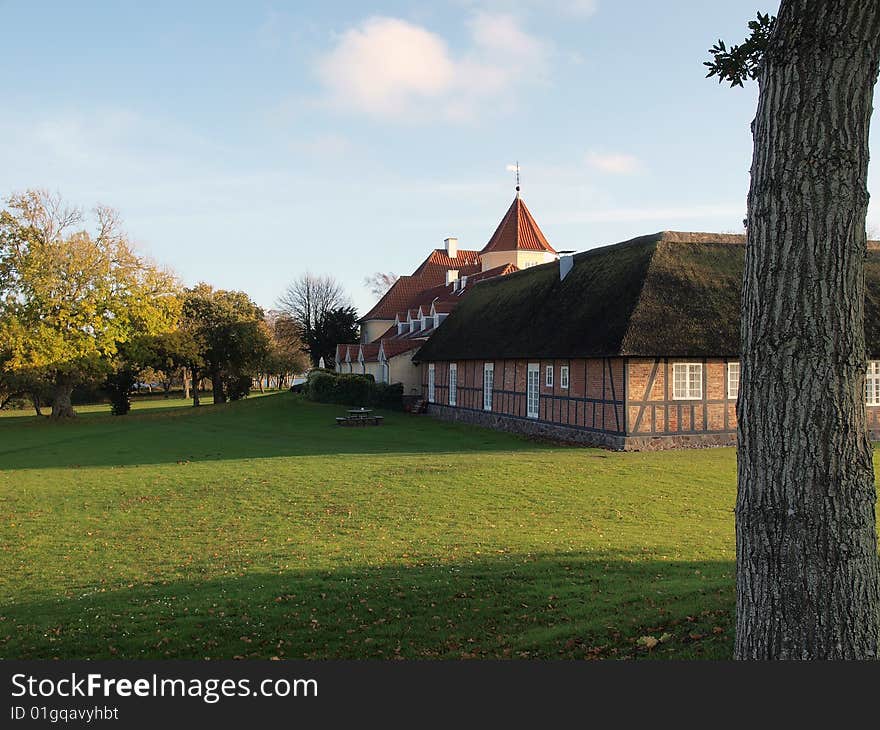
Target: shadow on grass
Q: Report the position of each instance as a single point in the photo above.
(276, 425)
(509, 606)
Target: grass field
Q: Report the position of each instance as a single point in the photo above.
(260, 529)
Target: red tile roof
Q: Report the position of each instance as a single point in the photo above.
(371, 352)
(439, 262)
(396, 298)
(404, 293)
(392, 348)
(517, 231)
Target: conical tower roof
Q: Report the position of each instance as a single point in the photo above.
(518, 231)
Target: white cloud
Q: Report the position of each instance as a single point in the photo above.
(614, 164)
(390, 68)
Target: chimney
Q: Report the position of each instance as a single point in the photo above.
(451, 276)
(451, 247)
(566, 262)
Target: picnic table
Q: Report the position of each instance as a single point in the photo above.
(360, 417)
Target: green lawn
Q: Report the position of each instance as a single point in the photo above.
(260, 529)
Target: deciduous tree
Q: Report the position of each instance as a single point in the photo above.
(69, 297)
(309, 302)
(807, 568)
(231, 338)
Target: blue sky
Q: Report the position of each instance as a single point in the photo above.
(244, 143)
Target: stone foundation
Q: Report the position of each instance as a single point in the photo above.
(558, 432)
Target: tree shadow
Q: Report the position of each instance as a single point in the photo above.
(572, 605)
(270, 426)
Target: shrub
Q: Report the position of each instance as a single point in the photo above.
(388, 395)
(322, 387)
(119, 386)
(353, 390)
(237, 386)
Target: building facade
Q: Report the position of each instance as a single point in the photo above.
(633, 346)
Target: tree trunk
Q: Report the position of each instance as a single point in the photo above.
(61, 405)
(38, 403)
(217, 386)
(807, 569)
(195, 389)
(185, 378)
(260, 381)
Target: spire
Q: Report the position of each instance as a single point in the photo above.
(518, 231)
(517, 178)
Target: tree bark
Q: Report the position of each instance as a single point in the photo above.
(195, 388)
(61, 405)
(807, 568)
(217, 386)
(38, 403)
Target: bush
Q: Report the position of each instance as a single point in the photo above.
(388, 395)
(237, 386)
(119, 386)
(353, 390)
(322, 387)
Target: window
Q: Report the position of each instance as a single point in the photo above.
(430, 382)
(532, 389)
(733, 380)
(687, 381)
(548, 376)
(453, 383)
(488, 383)
(872, 383)
(563, 377)
(385, 374)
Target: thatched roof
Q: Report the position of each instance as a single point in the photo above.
(667, 294)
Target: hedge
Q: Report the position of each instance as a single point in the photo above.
(353, 390)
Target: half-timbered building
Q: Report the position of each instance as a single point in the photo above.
(631, 346)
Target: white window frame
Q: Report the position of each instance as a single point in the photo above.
(386, 371)
(488, 374)
(872, 383)
(693, 376)
(533, 390)
(548, 376)
(732, 380)
(453, 384)
(563, 377)
(431, 389)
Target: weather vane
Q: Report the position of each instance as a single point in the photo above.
(515, 168)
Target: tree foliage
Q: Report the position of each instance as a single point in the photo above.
(69, 298)
(230, 337)
(742, 62)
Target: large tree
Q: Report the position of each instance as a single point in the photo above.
(231, 339)
(316, 304)
(286, 354)
(69, 298)
(807, 565)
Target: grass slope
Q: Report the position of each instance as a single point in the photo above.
(260, 529)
